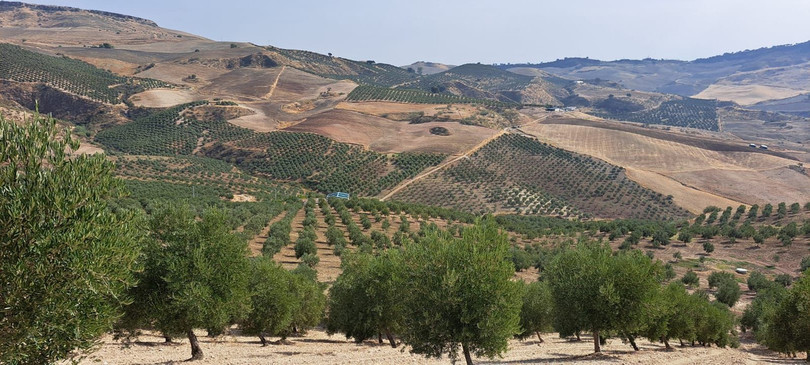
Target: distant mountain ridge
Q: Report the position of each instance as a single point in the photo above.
(704, 77)
(12, 5)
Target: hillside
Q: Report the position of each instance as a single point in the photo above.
(428, 68)
(746, 77)
(687, 166)
(157, 92)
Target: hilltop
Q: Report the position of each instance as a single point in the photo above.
(359, 121)
(746, 77)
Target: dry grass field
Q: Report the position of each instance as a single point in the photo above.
(746, 94)
(388, 136)
(695, 175)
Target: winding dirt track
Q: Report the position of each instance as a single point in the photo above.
(442, 165)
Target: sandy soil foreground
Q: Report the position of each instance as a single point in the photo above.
(319, 348)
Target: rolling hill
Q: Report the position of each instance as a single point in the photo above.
(331, 123)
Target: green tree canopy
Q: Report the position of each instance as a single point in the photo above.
(537, 312)
(196, 275)
(596, 291)
(271, 303)
(458, 293)
(364, 300)
(66, 261)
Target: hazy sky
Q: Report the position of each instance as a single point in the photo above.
(462, 31)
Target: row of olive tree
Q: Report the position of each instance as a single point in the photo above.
(445, 294)
(780, 317)
(198, 275)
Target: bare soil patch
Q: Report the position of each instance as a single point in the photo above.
(688, 167)
(384, 135)
(316, 347)
(746, 94)
(164, 98)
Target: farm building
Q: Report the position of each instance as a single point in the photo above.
(339, 195)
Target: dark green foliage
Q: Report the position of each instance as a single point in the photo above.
(310, 259)
(334, 237)
(66, 261)
(675, 314)
(686, 112)
(708, 247)
(660, 238)
(520, 258)
(381, 240)
(781, 210)
(196, 275)
(321, 163)
(305, 245)
(309, 300)
(718, 277)
(783, 279)
(68, 74)
(760, 309)
(690, 278)
(805, 264)
(364, 301)
(556, 182)
(279, 234)
(767, 210)
(780, 320)
(757, 281)
(374, 93)
(271, 305)
(458, 293)
(610, 290)
(669, 272)
(537, 312)
(728, 292)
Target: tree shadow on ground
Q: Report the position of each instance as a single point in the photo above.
(557, 358)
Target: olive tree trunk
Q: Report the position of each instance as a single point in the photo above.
(196, 351)
(467, 356)
(596, 346)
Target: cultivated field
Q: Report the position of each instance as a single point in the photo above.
(713, 172)
(388, 136)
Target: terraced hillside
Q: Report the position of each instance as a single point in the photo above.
(363, 72)
(373, 93)
(318, 162)
(686, 112)
(520, 174)
(474, 80)
(73, 76)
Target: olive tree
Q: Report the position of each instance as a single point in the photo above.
(458, 293)
(364, 300)
(271, 303)
(537, 312)
(602, 292)
(66, 261)
(196, 275)
(786, 318)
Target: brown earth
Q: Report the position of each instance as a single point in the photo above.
(746, 94)
(317, 347)
(387, 136)
(696, 171)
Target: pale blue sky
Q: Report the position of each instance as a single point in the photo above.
(462, 31)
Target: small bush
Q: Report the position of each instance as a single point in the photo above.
(690, 278)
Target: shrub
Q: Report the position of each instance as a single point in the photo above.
(66, 260)
(690, 278)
